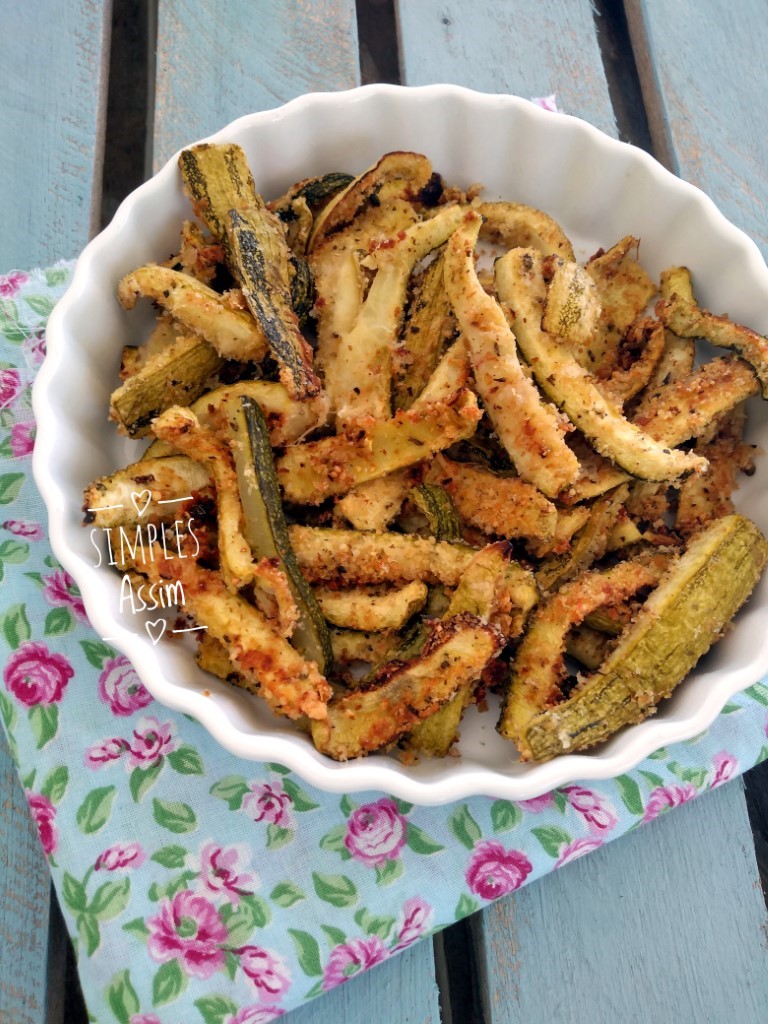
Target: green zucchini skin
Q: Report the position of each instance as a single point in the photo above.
(265, 527)
(315, 192)
(437, 506)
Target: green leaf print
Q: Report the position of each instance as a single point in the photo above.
(338, 890)
(176, 817)
(40, 304)
(97, 652)
(464, 827)
(88, 932)
(168, 984)
(58, 621)
(231, 790)
(560, 801)
(231, 963)
(758, 692)
(55, 784)
(110, 899)
(335, 936)
(93, 813)
(8, 714)
(307, 952)
(16, 629)
(216, 1009)
(465, 907)
(552, 838)
(347, 805)
(137, 927)
(277, 837)
(697, 776)
(504, 815)
(420, 842)
(374, 924)
(186, 761)
(122, 998)
(301, 799)
(279, 769)
(402, 806)
(650, 777)
(14, 551)
(170, 856)
(762, 755)
(731, 708)
(172, 886)
(74, 894)
(630, 794)
(10, 487)
(286, 893)
(44, 722)
(143, 779)
(55, 275)
(252, 913)
(334, 840)
(388, 872)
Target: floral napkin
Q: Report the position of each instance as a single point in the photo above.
(199, 887)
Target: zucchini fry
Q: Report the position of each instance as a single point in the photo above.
(371, 611)
(528, 428)
(400, 695)
(513, 225)
(119, 499)
(234, 334)
(520, 283)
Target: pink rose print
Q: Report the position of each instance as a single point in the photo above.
(61, 591)
(350, 958)
(269, 802)
(494, 871)
(10, 387)
(576, 849)
(256, 1015)
(33, 348)
(121, 688)
(103, 753)
(415, 919)
(121, 855)
(595, 809)
(190, 930)
(10, 283)
(221, 873)
(267, 970)
(32, 531)
(376, 832)
(546, 102)
(664, 797)
(724, 765)
(23, 438)
(538, 803)
(35, 675)
(144, 1018)
(151, 741)
(44, 814)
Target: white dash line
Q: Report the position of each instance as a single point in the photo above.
(191, 629)
(171, 501)
(103, 508)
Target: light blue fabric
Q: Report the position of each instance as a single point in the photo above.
(232, 890)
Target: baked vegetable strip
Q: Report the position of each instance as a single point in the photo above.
(688, 611)
(573, 307)
(287, 421)
(376, 557)
(181, 428)
(264, 523)
(519, 282)
(234, 334)
(359, 608)
(513, 225)
(309, 473)
(500, 506)
(122, 498)
(219, 182)
(268, 665)
(527, 427)
(351, 645)
(175, 376)
(645, 342)
(403, 695)
(679, 354)
(538, 668)
(360, 383)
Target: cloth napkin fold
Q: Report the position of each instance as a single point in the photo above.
(197, 886)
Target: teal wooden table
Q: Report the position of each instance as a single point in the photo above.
(668, 924)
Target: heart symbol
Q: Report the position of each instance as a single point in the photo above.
(137, 497)
(156, 626)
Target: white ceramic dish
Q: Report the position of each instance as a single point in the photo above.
(599, 189)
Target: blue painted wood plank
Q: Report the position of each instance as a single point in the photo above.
(224, 58)
(53, 60)
(273, 52)
(509, 46)
(705, 84)
(24, 902)
(609, 937)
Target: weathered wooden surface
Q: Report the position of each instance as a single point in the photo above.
(703, 71)
(663, 925)
(54, 72)
(509, 46)
(224, 58)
